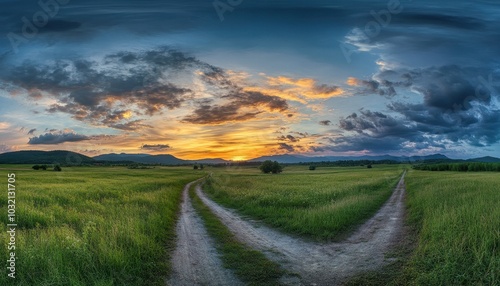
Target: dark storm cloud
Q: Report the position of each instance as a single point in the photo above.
(286, 147)
(428, 127)
(250, 98)
(89, 90)
(377, 124)
(325, 122)
(155, 147)
(477, 126)
(233, 111)
(54, 139)
(218, 77)
(89, 82)
(449, 95)
(450, 87)
(218, 114)
(455, 106)
(98, 92)
(382, 87)
(360, 143)
(289, 138)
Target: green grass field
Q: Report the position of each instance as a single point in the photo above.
(321, 204)
(115, 226)
(94, 226)
(458, 218)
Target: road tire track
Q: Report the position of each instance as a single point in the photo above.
(195, 260)
(323, 263)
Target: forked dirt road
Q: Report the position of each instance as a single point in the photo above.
(322, 263)
(195, 260)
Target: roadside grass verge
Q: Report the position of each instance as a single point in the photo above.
(324, 204)
(94, 225)
(249, 265)
(454, 236)
(458, 219)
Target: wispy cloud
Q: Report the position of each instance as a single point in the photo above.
(302, 90)
(155, 147)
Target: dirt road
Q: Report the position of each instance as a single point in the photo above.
(327, 263)
(195, 260)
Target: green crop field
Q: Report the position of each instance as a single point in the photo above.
(94, 226)
(458, 218)
(320, 204)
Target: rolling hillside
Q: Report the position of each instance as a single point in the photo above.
(44, 157)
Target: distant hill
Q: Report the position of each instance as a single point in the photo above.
(293, 159)
(487, 159)
(142, 158)
(69, 158)
(156, 159)
(211, 161)
(287, 159)
(44, 157)
(120, 157)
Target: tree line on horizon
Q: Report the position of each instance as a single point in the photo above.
(460, 167)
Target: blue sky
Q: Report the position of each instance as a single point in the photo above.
(239, 79)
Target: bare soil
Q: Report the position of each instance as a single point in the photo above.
(314, 263)
(195, 260)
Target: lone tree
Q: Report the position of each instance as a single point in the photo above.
(195, 167)
(57, 168)
(36, 167)
(312, 168)
(369, 166)
(271, 167)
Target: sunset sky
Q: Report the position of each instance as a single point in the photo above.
(241, 79)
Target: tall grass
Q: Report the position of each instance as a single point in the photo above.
(94, 226)
(458, 217)
(321, 204)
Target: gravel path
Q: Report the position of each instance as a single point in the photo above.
(195, 260)
(322, 263)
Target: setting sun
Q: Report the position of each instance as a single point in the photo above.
(239, 158)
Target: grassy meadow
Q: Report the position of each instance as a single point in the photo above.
(321, 204)
(458, 220)
(116, 226)
(94, 225)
